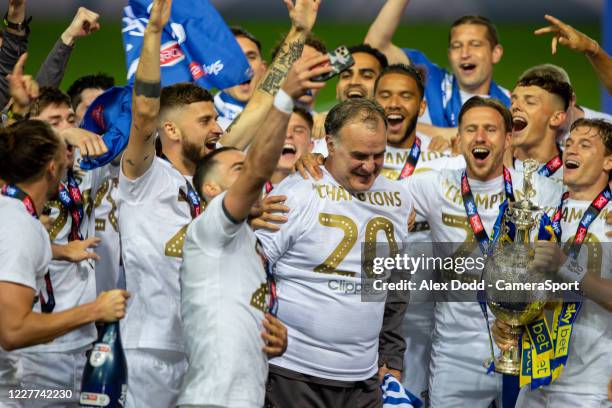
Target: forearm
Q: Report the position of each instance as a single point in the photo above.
(36, 328)
(240, 133)
(448, 133)
(59, 252)
(380, 34)
(52, 71)
(260, 163)
(391, 345)
(13, 45)
(602, 63)
(139, 153)
(598, 289)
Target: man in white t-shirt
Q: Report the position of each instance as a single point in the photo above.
(459, 340)
(588, 165)
(540, 103)
(334, 350)
(227, 291)
(26, 253)
(157, 202)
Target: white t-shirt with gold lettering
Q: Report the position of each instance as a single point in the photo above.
(153, 220)
(317, 256)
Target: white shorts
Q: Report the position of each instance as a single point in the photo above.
(154, 377)
(457, 377)
(58, 374)
(417, 328)
(544, 397)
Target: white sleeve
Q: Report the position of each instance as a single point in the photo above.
(422, 188)
(145, 187)
(275, 244)
(22, 250)
(215, 227)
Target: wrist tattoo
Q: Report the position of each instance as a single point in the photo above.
(147, 88)
(281, 65)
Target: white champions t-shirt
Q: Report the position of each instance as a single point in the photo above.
(460, 330)
(317, 256)
(73, 283)
(153, 220)
(25, 251)
(107, 229)
(224, 288)
(589, 366)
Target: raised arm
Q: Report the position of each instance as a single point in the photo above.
(14, 44)
(52, 71)
(380, 34)
(264, 153)
(567, 35)
(140, 150)
(303, 16)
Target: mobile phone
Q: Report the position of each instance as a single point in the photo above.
(340, 59)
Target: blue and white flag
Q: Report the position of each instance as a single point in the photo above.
(196, 45)
(396, 396)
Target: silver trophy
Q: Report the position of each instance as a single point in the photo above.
(510, 261)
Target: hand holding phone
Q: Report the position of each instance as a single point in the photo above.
(340, 59)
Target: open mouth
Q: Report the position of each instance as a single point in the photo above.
(480, 153)
(289, 150)
(355, 93)
(395, 121)
(211, 144)
(468, 68)
(571, 164)
(518, 124)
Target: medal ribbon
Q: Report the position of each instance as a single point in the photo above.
(191, 196)
(11, 190)
(411, 160)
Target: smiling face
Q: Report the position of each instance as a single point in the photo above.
(536, 113)
(297, 142)
(472, 57)
(356, 154)
(358, 81)
(586, 160)
(196, 127)
(483, 140)
(244, 92)
(401, 98)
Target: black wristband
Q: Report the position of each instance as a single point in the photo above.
(148, 89)
(23, 26)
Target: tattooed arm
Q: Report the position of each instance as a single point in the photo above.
(140, 151)
(241, 131)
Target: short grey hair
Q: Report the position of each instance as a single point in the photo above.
(362, 110)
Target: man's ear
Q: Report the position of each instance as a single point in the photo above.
(557, 119)
(422, 107)
(497, 53)
(211, 189)
(607, 164)
(171, 130)
(330, 144)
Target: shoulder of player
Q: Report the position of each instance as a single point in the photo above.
(296, 186)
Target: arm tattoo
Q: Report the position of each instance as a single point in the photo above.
(147, 88)
(288, 54)
(231, 125)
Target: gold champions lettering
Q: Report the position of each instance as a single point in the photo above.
(338, 193)
(452, 193)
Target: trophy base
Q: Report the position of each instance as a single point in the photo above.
(508, 362)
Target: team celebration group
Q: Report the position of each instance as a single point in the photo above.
(227, 238)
